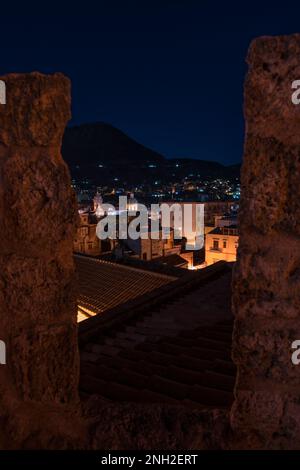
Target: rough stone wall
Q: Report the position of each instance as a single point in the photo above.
(38, 385)
(266, 288)
(39, 405)
(153, 426)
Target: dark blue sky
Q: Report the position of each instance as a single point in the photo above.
(169, 74)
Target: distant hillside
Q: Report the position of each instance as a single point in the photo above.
(103, 153)
(206, 168)
(102, 143)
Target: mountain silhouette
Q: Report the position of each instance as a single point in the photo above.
(104, 153)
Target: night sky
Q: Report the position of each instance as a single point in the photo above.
(169, 74)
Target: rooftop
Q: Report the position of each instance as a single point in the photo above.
(103, 285)
(172, 349)
(172, 260)
(227, 230)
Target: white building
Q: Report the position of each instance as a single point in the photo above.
(97, 206)
(132, 204)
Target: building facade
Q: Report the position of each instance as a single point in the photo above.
(221, 244)
(86, 240)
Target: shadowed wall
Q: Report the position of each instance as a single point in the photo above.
(37, 302)
(266, 288)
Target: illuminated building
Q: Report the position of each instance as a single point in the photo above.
(132, 204)
(149, 248)
(86, 240)
(221, 244)
(97, 205)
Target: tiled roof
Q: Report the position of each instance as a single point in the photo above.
(178, 353)
(171, 260)
(103, 285)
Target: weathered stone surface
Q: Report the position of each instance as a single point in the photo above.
(129, 426)
(266, 298)
(36, 111)
(37, 302)
(38, 388)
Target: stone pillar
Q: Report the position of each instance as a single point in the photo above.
(37, 301)
(266, 285)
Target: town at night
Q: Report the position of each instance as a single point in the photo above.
(150, 234)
